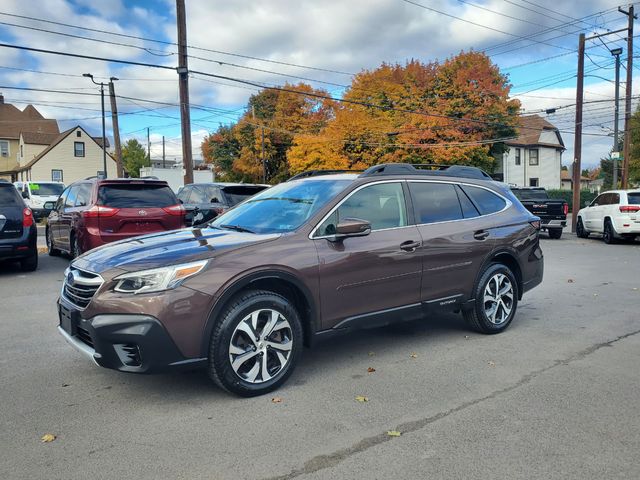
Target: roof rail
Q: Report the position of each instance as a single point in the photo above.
(317, 173)
(463, 171)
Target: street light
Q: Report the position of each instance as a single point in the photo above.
(104, 136)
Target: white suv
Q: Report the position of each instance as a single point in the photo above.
(615, 214)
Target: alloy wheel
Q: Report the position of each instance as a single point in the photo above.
(260, 346)
(498, 299)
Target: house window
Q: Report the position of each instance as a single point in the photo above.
(533, 156)
(21, 151)
(78, 133)
(56, 175)
(517, 156)
(78, 149)
(534, 182)
(4, 148)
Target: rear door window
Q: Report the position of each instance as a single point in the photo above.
(9, 197)
(485, 201)
(435, 202)
(128, 195)
(84, 195)
(238, 193)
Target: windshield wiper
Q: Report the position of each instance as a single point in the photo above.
(237, 228)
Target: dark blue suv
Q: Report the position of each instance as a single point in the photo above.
(18, 231)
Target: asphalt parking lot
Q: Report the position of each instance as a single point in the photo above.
(555, 396)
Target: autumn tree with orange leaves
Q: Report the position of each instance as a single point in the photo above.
(457, 111)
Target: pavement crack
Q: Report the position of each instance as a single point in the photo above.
(321, 462)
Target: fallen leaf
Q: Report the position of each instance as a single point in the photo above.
(394, 433)
(371, 354)
(48, 437)
(595, 294)
(414, 355)
(570, 280)
(65, 385)
(276, 400)
(491, 363)
(361, 398)
(371, 370)
(467, 336)
(635, 289)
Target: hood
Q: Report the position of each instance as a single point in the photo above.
(167, 248)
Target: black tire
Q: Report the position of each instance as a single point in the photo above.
(74, 246)
(30, 263)
(608, 235)
(53, 252)
(239, 310)
(555, 233)
(477, 317)
(581, 232)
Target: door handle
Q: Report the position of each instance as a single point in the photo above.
(481, 235)
(409, 245)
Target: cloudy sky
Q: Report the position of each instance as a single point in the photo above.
(320, 42)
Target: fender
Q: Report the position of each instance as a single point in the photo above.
(247, 280)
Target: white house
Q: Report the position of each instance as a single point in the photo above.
(70, 156)
(534, 158)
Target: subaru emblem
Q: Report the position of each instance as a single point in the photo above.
(70, 278)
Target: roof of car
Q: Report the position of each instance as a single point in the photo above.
(229, 184)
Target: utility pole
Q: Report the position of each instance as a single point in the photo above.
(183, 74)
(163, 157)
(104, 135)
(148, 147)
(116, 128)
(627, 106)
(577, 147)
(616, 52)
(264, 161)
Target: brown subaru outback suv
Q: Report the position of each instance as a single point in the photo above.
(317, 256)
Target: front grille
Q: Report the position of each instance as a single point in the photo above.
(84, 336)
(80, 286)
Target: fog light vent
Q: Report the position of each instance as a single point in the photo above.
(129, 354)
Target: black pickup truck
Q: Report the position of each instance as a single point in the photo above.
(552, 211)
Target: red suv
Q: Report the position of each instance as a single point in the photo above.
(93, 212)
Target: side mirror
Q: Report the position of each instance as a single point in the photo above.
(351, 227)
(25, 194)
(49, 205)
(586, 204)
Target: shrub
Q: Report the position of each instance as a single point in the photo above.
(585, 196)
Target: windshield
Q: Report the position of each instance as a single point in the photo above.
(282, 208)
(530, 194)
(45, 189)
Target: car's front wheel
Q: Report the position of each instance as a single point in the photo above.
(496, 294)
(581, 232)
(53, 251)
(256, 343)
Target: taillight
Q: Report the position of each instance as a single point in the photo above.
(535, 224)
(100, 211)
(176, 210)
(629, 208)
(27, 217)
(565, 208)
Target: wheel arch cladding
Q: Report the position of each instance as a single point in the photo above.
(511, 262)
(282, 283)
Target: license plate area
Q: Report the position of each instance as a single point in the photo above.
(67, 320)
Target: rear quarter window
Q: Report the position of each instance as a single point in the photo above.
(633, 198)
(136, 196)
(9, 196)
(485, 201)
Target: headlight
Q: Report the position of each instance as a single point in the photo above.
(157, 279)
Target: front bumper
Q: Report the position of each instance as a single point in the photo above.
(125, 342)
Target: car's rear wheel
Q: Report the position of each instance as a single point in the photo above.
(581, 232)
(496, 294)
(75, 249)
(608, 235)
(256, 343)
(54, 252)
(555, 233)
(30, 263)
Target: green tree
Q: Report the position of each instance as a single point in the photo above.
(606, 172)
(134, 156)
(634, 154)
